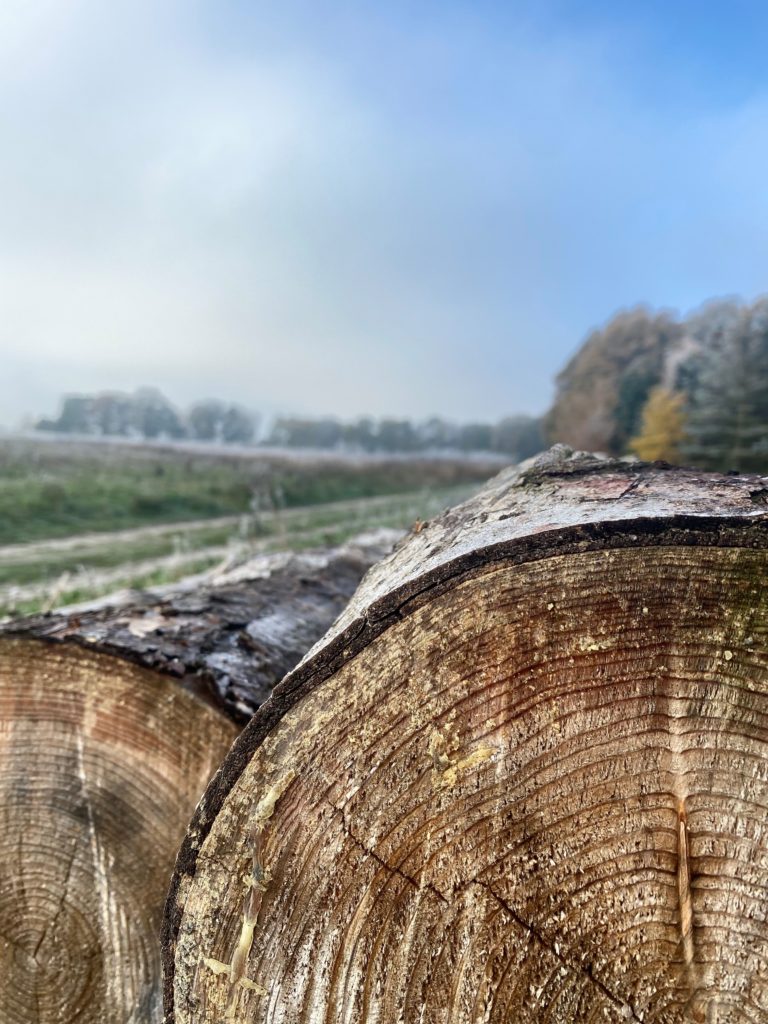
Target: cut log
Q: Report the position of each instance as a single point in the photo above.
(523, 778)
(230, 635)
(112, 721)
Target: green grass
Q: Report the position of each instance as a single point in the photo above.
(50, 490)
(139, 581)
(74, 500)
(110, 554)
(73, 552)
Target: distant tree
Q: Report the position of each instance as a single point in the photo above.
(728, 420)
(292, 432)
(361, 435)
(602, 390)
(436, 433)
(155, 417)
(634, 390)
(114, 414)
(707, 334)
(397, 436)
(662, 427)
(326, 433)
(109, 413)
(518, 436)
(205, 420)
(237, 426)
(76, 416)
(475, 437)
(148, 414)
(279, 433)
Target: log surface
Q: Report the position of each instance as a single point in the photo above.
(113, 719)
(230, 636)
(100, 771)
(562, 498)
(523, 777)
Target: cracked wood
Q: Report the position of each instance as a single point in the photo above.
(112, 721)
(101, 765)
(523, 779)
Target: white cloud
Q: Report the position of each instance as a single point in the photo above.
(317, 221)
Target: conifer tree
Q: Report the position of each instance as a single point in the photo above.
(728, 422)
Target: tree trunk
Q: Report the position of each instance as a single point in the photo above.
(112, 721)
(523, 778)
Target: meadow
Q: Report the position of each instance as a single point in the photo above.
(80, 519)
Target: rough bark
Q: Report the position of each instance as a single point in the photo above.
(112, 721)
(229, 636)
(521, 779)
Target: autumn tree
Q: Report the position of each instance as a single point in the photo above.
(602, 390)
(662, 428)
(205, 420)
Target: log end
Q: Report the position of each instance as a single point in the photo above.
(101, 765)
(523, 779)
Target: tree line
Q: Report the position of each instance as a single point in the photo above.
(148, 415)
(691, 390)
(516, 436)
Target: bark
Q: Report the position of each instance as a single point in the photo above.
(227, 636)
(112, 720)
(521, 779)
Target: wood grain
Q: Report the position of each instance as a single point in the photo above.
(527, 785)
(230, 635)
(101, 765)
(113, 719)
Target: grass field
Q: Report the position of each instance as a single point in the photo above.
(80, 520)
(55, 489)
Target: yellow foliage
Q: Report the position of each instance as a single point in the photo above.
(662, 427)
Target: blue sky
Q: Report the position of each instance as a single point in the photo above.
(347, 208)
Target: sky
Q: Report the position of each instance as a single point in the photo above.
(325, 208)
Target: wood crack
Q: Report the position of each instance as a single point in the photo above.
(391, 868)
(626, 1009)
(628, 1012)
(59, 910)
(684, 887)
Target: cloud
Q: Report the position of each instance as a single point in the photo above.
(377, 211)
